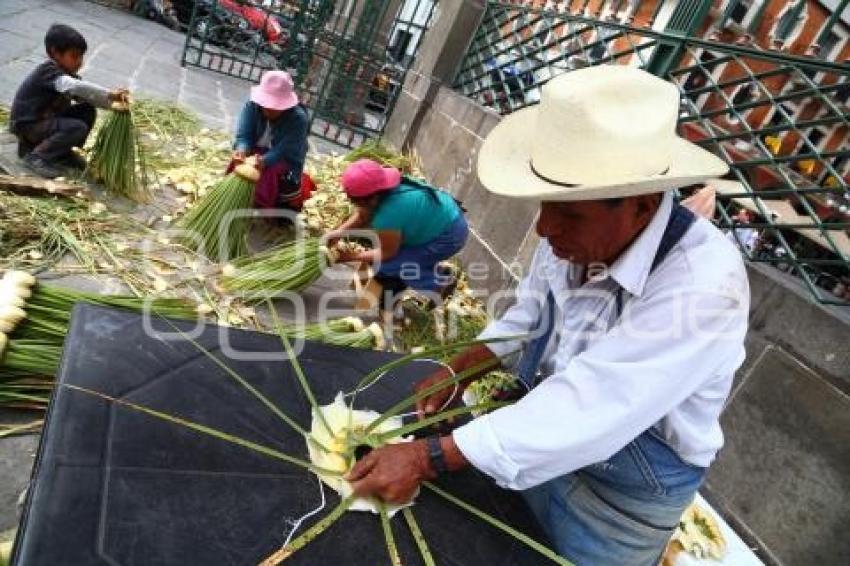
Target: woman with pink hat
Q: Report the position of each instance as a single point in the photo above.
(273, 127)
(417, 227)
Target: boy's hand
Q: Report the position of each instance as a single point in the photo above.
(119, 95)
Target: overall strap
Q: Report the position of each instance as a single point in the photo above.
(532, 355)
(680, 221)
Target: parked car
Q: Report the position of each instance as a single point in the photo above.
(160, 11)
(241, 15)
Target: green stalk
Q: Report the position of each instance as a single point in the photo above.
(299, 372)
(410, 401)
(309, 535)
(209, 431)
(241, 381)
(427, 557)
(439, 417)
(12, 430)
(522, 537)
(433, 352)
(395, 559)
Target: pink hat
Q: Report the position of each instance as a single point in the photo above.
(365, 177)
(275, 91)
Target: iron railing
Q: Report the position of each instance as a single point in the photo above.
(780, 122)
(348, 59)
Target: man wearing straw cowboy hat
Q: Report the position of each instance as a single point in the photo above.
(635, 313)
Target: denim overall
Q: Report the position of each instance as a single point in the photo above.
(622, 511)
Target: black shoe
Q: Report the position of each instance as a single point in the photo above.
(75, 161)
(41, 167)
(24, 148)
(449, 275)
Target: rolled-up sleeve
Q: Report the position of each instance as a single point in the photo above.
(664, 347)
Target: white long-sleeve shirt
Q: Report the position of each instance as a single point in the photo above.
(667, 361)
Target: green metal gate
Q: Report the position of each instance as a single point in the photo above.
(781, 122)
(348, 57)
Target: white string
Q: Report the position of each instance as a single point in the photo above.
(297, 523)
(414, 413)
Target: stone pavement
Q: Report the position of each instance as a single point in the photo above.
(124, 50)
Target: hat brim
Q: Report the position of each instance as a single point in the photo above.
(391, 179)
(504, 167)
(273, 101)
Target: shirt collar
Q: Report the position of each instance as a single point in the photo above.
(632, 267)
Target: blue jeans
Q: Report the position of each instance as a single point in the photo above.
(620, 512)
(415, 265)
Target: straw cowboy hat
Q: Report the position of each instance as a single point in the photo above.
(602, 132)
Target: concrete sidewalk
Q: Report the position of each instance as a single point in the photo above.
(124, 50)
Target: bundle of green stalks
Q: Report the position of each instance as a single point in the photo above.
(117, 159)
(382, 152)
(215, 229)
(349, 332)
(292, 266)
(34, 319)
(25, 393)
(49, 309)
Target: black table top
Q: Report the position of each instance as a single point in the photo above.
(115, 486)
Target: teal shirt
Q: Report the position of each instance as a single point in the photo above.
(412, 210)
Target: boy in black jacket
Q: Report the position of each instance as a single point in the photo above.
(54, 110)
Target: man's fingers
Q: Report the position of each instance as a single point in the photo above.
(428, 405)
(361, 468)
(365, 487)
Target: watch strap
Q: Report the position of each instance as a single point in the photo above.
(436, 455)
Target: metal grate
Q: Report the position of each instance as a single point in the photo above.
(349, 59)
(782, 124)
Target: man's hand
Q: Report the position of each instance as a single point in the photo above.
(467, 359)
(429, 405)
(393, 472)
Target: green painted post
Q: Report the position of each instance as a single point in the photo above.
(687, 17)
(830, 23)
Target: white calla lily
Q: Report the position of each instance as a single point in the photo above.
(342, 422)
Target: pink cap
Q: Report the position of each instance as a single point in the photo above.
(275, 91)
(365, 177)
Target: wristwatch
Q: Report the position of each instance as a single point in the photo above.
(436, 455)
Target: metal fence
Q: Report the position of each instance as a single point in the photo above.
(348, 58)
(780, 122)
